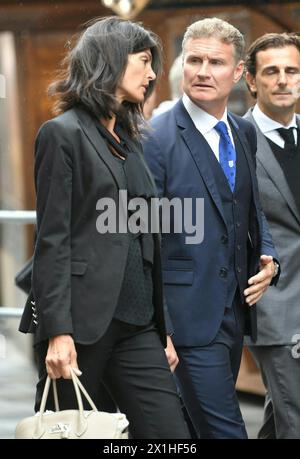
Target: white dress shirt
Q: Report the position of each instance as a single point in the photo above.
(205, 123)
(268, 126)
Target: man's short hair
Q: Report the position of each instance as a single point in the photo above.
(216, 28)
(266, 41)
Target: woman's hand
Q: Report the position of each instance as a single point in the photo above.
(171, 354)
(61, 356)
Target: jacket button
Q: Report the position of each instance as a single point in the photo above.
(239, 270)
(224, 239)
(238, 224)
(223, 272)
(239, 247)
(235, 201)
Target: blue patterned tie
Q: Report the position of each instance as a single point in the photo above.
(227, 154)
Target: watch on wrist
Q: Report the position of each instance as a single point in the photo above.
(276, 268)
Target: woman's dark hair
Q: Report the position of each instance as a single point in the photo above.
(94, 67)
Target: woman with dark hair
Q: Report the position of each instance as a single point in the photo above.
(96, 302)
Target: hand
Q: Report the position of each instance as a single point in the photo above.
(171, 354)
(61, 356)
(261, 281)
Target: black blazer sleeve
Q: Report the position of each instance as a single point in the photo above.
(51, 269)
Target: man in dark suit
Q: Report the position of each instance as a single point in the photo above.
(199, 150)
(273, 77)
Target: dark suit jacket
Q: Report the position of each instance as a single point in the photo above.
(195, 288)
(78, 272)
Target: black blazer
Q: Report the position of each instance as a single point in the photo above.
(78, 272)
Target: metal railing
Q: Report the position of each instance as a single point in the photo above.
(9, 313)
(17, 216)
(22, 217)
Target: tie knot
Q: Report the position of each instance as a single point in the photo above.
(221, 128)
(287, 135)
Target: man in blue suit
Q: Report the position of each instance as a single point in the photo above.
(199, 150)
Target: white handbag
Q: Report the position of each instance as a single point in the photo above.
(72, 424)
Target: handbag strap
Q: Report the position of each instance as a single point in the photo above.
(81, 422)
(78, 385)
(55, 396)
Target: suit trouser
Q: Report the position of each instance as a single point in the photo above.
(206, 378)
(281, 375)
(131, 362)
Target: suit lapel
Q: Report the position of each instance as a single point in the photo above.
(270, 164)
(137, 149)
(199, 149)
(250, 159)
(88, 126)
(244, 143)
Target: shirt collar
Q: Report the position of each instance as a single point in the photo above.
(267, 124)
(203, 121)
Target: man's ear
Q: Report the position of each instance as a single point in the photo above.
(239, 70)
(250, 79)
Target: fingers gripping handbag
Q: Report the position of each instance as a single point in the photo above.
(72, 424)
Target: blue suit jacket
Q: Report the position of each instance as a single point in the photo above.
(195, 291)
